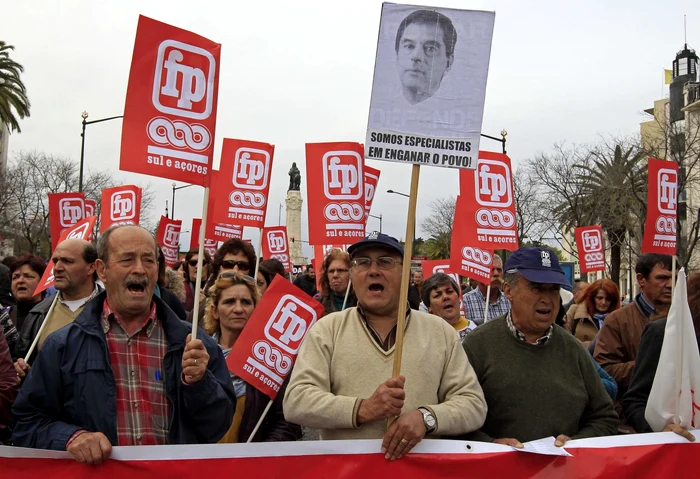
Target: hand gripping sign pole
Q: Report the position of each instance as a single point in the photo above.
(406, 272)
(200, 263)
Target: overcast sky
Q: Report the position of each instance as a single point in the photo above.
(297, 72)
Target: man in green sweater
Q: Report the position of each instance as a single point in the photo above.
(537, 378)
(342, 380)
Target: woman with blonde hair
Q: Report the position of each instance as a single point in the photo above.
(232, 300)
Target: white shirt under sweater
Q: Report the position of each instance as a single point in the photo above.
(339, 363)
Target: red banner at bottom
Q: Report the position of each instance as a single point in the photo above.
(639, 456)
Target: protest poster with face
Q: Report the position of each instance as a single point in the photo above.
(486, 204)
(662, 204)
(65, 211)
(84, 230)
(336, 193)
(429, 85)
(170, 111)
(242, 183)
(275, 245)
(168, 237)
(264, 353)
(121, 205)
(591, 250)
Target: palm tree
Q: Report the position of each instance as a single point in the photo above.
(13, 94)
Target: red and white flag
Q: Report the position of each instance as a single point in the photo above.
(336, 193)
(170, 111)
(210, 244)
(90, 208)
(471, 262)
(371, 181)
(65, 211)
(275, 245)
(591, 250)
(84, 230)
(121, 205)
(662, 206)
(487, 203)
(168, 237)
(264, 353)
(430, 267)
(242, 183)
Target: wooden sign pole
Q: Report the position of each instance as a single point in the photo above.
(200, 260)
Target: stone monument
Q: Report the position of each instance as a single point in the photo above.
(293, 203)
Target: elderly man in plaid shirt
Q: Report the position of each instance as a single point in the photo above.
(125, 372)
(475, 300)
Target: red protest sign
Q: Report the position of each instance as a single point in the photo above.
(219, 231)
(371, 180)
(121, 205)
(591, 251)
(336, 194)
(82, 230)
(168, 237)
(486, 200)
(471, 262)
(65, 210)
(210, 245)
(662, 204)
(170, 111)
(430, 267)
(243, 183)
(265, 352)
(275, 245)
(90, 208)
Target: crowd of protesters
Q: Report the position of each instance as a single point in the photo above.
(105, 357)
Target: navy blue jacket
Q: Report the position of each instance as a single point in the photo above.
(71, 386)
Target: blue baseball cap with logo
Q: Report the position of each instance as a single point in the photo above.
(376, 239)
(537, 265)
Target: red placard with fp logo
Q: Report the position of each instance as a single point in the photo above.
(84, 229)
(243, 183)
(210, 244)
(265, 352)
(90, 208)
(336, 193)
(472, 262)
(275, 244)
(120, 206)
(65, 210)
(168, 237)
(486, 200)
(432, 266)
(662, 204)
(170, 111)
(371, 181)
(591, 251)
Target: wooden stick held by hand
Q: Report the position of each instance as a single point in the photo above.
(200, 260)
(47, 319)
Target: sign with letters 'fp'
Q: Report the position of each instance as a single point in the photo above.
(219, 231)
(336, 192)
(275, 244)
(242, 183)
(120, 206)
(65, 211)
(264, 354)
(84, 230)
(168, 237)
(662, 205)
(170, 112)
(486, 203)
(210, 244)
(429, 85)
(371, 181)
(90, 208)
(591, 250)
(466, 259)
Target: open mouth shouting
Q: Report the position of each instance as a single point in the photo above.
(136, 286)
(376, 288)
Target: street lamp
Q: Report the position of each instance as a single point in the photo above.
(380, 220)
(502, 139)
(84, 115)
(172, 205)
(397, 193)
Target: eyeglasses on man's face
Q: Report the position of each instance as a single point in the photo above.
(383, 262)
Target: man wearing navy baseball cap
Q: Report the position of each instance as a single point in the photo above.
(342, 380)
(537, 378)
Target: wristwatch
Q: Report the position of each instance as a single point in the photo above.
(428, 419)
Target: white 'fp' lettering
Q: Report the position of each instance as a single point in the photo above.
(290, 326)
(193, 81)
(342, 176)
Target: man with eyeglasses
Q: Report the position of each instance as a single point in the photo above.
(342, 384)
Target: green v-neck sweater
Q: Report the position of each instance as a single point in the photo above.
(533, 391)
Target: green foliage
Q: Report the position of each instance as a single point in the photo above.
(13, 95)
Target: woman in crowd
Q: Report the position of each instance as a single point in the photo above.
(585, 318)
(634, 402)
(232, 300)
(190, 266)
(335, 277)
(25, 273)
(263, 280)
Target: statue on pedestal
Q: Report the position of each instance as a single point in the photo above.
(294, 178)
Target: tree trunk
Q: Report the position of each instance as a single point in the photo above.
(616, 239)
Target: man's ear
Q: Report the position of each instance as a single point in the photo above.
(100, 266)
(91, 270)
(450, 61)
(508, 291)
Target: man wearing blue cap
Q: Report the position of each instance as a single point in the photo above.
(341, 382)
(537, 378)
